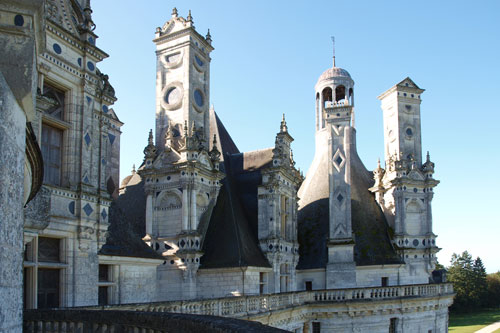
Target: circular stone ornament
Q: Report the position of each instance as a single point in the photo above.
(172, 96)
(198, 99)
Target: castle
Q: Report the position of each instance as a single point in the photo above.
(200, 219)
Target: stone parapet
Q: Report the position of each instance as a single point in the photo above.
(132, 321)
(247, 306)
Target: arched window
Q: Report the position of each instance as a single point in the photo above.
(327, 95)
(339, 93)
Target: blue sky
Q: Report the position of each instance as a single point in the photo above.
(269, 54)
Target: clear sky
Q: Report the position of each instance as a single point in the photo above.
(269, 54)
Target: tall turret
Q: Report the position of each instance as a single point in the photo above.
(404, 189)
(182, 79)
(181, 174)
(334, 141)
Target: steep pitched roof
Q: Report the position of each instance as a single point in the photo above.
(225, 143)
(231, 237)
(127, 216)
(370, 228)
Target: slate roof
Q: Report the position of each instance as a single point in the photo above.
(127, 216)
(370, 229)
(231, 238)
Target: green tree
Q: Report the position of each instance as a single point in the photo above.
(493, 282)
(469, 281)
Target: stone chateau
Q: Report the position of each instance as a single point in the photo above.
(201, 227)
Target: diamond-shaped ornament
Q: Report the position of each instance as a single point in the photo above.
(88, 209)
(338, 160)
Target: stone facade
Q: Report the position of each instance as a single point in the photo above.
(343, 249)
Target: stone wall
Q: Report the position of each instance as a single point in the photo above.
(228, 282)
(12, 144)
(137, 283)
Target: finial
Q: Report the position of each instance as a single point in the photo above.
(378, 164)
(174, 12)
(133, 168)
(189, 17)
(208, 37)
(283, 127)
(428, 157)
(333, 42)
(193, 128)
(214, 142)
(150, 138)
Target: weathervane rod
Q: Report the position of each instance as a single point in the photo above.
(333, 42)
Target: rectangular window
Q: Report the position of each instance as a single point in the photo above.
(262, 283)
(392, 325)
(309, 285)
(103, 295)
(106, 284)
(385, 281)
(43, 271)
(103, 273)
(48, 288)
(53, 101)
(284, 277)
(52, 138)
(316, 327)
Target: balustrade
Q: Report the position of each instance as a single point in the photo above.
(243, 306)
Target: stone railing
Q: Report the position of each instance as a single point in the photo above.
(111, 321)
(245, 306)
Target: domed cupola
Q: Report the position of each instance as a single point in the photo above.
(334, 87)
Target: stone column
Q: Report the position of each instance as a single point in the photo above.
(12, 141)
(193, 210)
(185, 209)
(149, 215)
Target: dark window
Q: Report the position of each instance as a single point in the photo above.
(48, 249)
(316, 327)
(103, 296)
(385, 281)
(339, 93)
(262, 282)
(48, 288)
(392, 325)
(51, 152)
(103, 273)
(309, 285)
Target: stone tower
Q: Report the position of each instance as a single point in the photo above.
(180, 173)
(182, 79)
(277, 202)
(334, 141)
(404, 189)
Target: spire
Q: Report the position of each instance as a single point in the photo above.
(150, 150)
(189, 18)
(208, 37)
(133, 169)
(174, 12)
(150, 138)
(283, 127)
(214, 152)
(333, 42)
(428, 157)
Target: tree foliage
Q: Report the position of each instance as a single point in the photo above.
(469, 281)
(493, 282)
